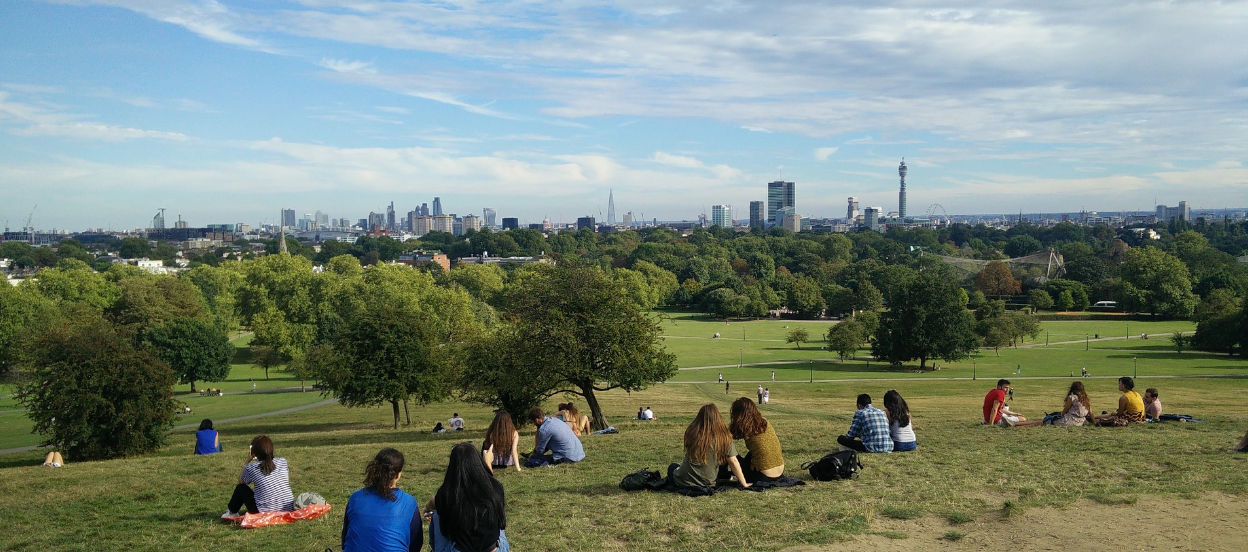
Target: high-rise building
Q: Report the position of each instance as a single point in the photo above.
(871, 217)
(376, 221)
(288, 218)
(790, 220)
(437, 206)
(779, 196)
(424, 210)
(488, 215)
(901, 196)
(628, 219)
(851, 212)
(586, 222)
(390, 220)
(422, 225)
(443, 223)
(721, 215)
(756, 215)
(511, 223)
(1181, 212)
(611, 208)
(471, 223)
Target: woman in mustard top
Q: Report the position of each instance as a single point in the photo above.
(1130, 406)
(763, 461)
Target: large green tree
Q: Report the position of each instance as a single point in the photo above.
(194, 348)
(1157, 282)
(926, 319)
(91, 392)
(584, 334)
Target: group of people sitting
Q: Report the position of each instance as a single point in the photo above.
(711, 456)
(875, 430)
(645, 414)
(1077, 408)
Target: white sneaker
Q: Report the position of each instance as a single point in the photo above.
(227, 515)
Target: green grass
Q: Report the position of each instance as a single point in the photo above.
(962, 471)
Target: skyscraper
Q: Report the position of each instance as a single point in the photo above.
(437, 206)
(288, 218)
(721, 216)
(489, 215)
(779, 196)
(390, 221)
(586, 222)
(511, 223)
(901, 196)
(611, 208)
(851, 212)
(756, 214)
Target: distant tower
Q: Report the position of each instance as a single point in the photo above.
(851, 212)
(437, 206)
(756, 214)
(281, 245)
(611, 208)
(779, 196)
(901, 196)
(390, 220)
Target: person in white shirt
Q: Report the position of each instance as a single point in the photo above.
(649, 414)
(456, 423)
(766, 396)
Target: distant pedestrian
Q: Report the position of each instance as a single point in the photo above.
(1085, 371)
(760, 394)
(721, 377)
(766, 396)
(253, 385)
(773, 375)
(725, 388)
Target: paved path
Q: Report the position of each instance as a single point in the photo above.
(967, 378)
(219, 421)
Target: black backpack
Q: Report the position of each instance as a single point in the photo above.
(842, 464)
(645, 479)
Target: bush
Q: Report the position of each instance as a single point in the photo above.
(93, 395)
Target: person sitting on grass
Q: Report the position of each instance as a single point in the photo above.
(381, 517)
(555, 442)
(869, 430)
(764, 460)
(579, 423)
(469, 511)
(649, 414)
(996, 412)
(1243, 444)
(271, 477)
(501, 442)
(456, 423)
(53, 460)
(1130, 406)
(708, 445)
(206, 439)
(1075, 410)
(1152, 404)
(899, 423)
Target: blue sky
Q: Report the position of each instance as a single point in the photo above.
(226, 111)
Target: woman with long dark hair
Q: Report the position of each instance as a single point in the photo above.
(764, 460)
(499, 448)
(206, 439)
(900, 426)
(1075, 410)
(269, 475)
(708, 445)
(469, 511)
(381, 517)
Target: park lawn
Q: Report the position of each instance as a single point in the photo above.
(962, 471)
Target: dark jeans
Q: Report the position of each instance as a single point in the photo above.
(851, 442)
(747, 469)
(243, 496)
(539, 460)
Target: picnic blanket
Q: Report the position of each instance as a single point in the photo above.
(647, 479)
(265, 519)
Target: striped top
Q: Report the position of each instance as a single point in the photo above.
(273, 492)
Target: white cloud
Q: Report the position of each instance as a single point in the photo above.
(97, 131)
(822, 154)
(347, 66)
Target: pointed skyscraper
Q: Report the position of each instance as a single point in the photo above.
(611, 208)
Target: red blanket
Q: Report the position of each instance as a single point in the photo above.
(265, 519)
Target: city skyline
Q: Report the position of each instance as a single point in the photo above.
(222, 111)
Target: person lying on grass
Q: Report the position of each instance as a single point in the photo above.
(708, 445)
(499, 447)
(1075, 410)
(269, 475)
(869, 430)
(1130, 406)
(53, 460)
(764, 460)
(899, 424)
(555, 443)
(468, 513)
(381, 517)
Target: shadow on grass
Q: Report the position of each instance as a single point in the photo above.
(1171, 355)
(342, 435)
(242, 355)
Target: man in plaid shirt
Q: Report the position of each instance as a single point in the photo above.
(869, 430)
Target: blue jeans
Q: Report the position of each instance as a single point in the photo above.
(898, 446)
(439, 543)
(539, 460)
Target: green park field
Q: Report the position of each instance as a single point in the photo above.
(967, 486)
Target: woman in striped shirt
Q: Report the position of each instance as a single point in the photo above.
(271, 478)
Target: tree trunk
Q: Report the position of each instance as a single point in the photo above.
(266, 372)
(596, 420)
(192, 386)
(922, 363)
(394, 405)
(407, 412)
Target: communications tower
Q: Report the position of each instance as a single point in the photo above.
(901, 196)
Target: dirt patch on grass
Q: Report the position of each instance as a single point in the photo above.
(1215, 522)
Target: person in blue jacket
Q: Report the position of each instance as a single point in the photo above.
(206, 439)
(381, 517)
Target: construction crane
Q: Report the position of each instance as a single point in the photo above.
(30, 228)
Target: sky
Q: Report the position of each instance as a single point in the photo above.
(225, 111)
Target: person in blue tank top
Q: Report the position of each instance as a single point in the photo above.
(381, 517)
(469, 511)
(206, 439)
